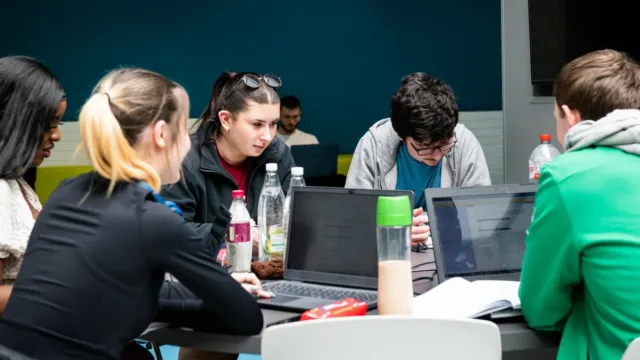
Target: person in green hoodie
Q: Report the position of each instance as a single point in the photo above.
(581, 270)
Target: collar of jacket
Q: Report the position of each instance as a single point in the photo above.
(210, 162)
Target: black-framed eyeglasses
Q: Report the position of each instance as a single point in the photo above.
(253, 81)
(444, 149)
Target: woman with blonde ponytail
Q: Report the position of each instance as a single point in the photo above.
(95, 265)
(109, 151)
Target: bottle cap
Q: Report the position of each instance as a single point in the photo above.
(297, 171)
(545, 137)
(272, 167)
(237, 194)
(394, 211)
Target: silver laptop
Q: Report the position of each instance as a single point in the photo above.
(479, 233)
(332, 251)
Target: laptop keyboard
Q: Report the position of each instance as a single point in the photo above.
(319, 292)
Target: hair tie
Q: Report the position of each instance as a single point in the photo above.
(107, 94)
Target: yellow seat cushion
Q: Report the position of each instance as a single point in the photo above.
(344, 161)
(48, 178)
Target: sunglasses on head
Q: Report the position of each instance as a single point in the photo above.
(253, 81)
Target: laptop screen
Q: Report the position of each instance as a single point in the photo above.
(332, 236)
(333, 233)
(482, 234)
(317, 159)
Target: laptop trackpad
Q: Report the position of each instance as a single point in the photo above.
(296, 301)
(280, 299)
(309, 303)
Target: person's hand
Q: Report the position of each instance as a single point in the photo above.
(251, 283)
(420, 231)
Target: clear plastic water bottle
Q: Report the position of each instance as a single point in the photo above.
(297, 179)
(270, 215)
(542, 154)
(239, 243)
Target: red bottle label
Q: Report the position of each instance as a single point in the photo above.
(239, 232)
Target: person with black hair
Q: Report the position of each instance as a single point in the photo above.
(290, 112)
(421, 146)
(32, 103)
(234, 140)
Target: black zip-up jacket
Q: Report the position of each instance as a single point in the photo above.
(204, 192)
(93, 274)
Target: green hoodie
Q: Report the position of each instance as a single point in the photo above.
(581, 270)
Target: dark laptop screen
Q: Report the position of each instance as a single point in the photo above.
(333, 232)
(483, 234)
(317, 159)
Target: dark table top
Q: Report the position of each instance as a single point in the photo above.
(516, 336)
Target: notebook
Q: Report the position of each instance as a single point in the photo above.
(458, 298)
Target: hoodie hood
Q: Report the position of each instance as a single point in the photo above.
(374, 162)
(386, 143)
(620, 129)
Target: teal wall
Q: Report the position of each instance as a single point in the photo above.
(344, 59)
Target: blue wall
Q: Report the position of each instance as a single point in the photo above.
(344, 59)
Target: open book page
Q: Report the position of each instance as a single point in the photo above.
(450, 300)
(460, 299)
(499, 290)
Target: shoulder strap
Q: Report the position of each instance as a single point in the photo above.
(172, 205)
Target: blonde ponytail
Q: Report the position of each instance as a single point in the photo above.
(107, 147)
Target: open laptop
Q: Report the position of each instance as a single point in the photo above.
(479, 233)
(317, 160)
(332, 249)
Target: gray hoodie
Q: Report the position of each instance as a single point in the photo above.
(374, 161)
(620, 129)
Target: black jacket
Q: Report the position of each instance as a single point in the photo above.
(93, 274)
(204, 192)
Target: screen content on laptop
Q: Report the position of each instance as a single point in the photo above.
(483, 234)
(333, 233)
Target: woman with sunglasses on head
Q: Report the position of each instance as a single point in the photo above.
(234, 141)
(32, 103)
(98, 253)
